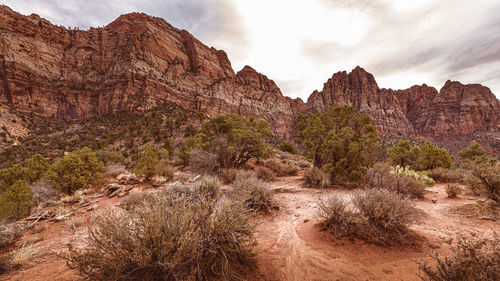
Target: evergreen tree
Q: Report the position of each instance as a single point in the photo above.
(147, 163)
(16, 201)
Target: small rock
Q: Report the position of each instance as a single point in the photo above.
(306, 220)
(434, 201)
(298, 207)
(122, 194)
(276, 208)
(297, 215)
(116, 192)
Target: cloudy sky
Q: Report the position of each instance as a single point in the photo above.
(301, 43)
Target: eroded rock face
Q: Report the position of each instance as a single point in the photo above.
(138, 62)
(133, 64)
(418, 111)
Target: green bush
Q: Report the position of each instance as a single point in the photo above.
(188, 145)
(235, 139)
(280, 168)
(472, 152)
(447, 175)
(425, 157)
(16, 201)
(35, 167)
(147, 165)
(79, 169)
(288, 147)
(340, 141)
(421, 176)
(169, 238)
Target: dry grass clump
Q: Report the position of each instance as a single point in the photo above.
(167, 237)
(115, 170)
(208, 186)
(314, 177)
(453, 190)
(446, 175)
(281, 168)
(23, 255)
(265, 174)
(473, 258)
(44, 193)
(253, 192)
(164, 169)
(485, 210)
(203, 162)
(9, 233)
(379, 217)
(380, 177)
(228, 176)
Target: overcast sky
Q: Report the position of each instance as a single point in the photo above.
(301, 43)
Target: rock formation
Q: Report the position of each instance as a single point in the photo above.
(133, 64)
(418, 111)
(137, 62)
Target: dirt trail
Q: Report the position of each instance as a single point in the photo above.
(292, 247)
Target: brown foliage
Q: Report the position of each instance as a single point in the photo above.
(473, 259)
(253, 192)
(265, 174)
(182, 236)
(380, 177)
(314, 177)
(379, 217)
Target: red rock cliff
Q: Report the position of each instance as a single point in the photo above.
(138, 62)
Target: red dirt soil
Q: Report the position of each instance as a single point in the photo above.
(291, 247)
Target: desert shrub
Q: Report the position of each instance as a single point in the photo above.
(379, 217)
(43, 192)
(288, 147)
(472, 152)
(208, 186)
(167, 238)
(164, 169)
(78, 169)
(115, 170)
(110, 157)
(203, 162)
(381, 176)
(148, 163)
(9, 176)
(184, 152)
(314, 177)
(421, 176)
(35, 167)
(403, 154)
(133, 199)
(228, 175)
(424, 157)
(485, 177)
(473, 258)
(265, 174)
(453, 189)
(253, 192)
(341, 141)
(9, 233)
(280, 168)
(16, 201)
(23, 255)
(446, 175)
(235, 139)
(168, 145)
(432, 156)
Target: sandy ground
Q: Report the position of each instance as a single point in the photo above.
(291, 247)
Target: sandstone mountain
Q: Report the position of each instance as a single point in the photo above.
(138, 62)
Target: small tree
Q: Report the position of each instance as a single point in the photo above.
(35, 167)
(148, 163)
(486, 177)
(403, 154)
(184, 152)
(234, 139)
(9, 176)
(431, 156)
(288, 147)
(342, 141)
(472, 152)
(16, 201)
(78, 169)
